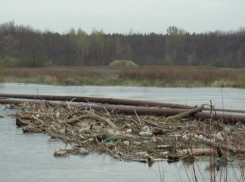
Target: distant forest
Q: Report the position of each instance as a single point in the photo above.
(23, 46)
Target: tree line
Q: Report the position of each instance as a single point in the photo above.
(23, 46)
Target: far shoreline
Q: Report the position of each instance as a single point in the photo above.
(145, 76)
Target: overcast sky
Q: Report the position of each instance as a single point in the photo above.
(122, 15)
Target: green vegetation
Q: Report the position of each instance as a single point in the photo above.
(242, 79)
(123, 63)
(10, 62)
(128, 76)
(2, 73)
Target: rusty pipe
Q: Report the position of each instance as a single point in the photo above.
(114, 101)
(97, 100)
(226, 118)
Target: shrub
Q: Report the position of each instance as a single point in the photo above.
(9, 62)
(242, 79)
(2, 72)
(123, 63)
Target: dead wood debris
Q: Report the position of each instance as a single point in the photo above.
(131, 137)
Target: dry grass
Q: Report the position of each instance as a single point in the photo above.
(60, 73)
(140, 76)
(56, 75)
(172, 74)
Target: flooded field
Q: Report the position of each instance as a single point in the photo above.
(29, 157)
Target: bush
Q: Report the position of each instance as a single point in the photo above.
(123, 63)
(242, 79)
(2, 72)
(9, 62)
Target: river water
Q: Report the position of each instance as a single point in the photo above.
(29, 157)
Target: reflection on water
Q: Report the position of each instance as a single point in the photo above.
(29, 157)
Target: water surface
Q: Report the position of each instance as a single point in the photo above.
(230, 98)
(29, 157)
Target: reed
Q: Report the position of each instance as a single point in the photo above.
(218, 164)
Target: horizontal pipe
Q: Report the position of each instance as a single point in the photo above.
(114, 101)
(120, 109)
(97, 100)
(226, 118)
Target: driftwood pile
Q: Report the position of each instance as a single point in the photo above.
(143, 138)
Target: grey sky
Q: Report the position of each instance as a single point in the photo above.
(122, 15)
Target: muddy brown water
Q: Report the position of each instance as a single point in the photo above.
(29, 157)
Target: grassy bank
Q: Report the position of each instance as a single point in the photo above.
(140, 76)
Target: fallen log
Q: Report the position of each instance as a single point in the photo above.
(225, 118)
(194, 152)
(186, 113)
(225, 147)
(151, 160)
(114, 101)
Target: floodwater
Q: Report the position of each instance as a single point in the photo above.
(229, 98)
(29, 157)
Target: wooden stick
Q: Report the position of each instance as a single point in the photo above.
(194, 152)
(221, 145)
(187, 113)
(225, 147)
(153, 124)
(92, 116)
(55, 135)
